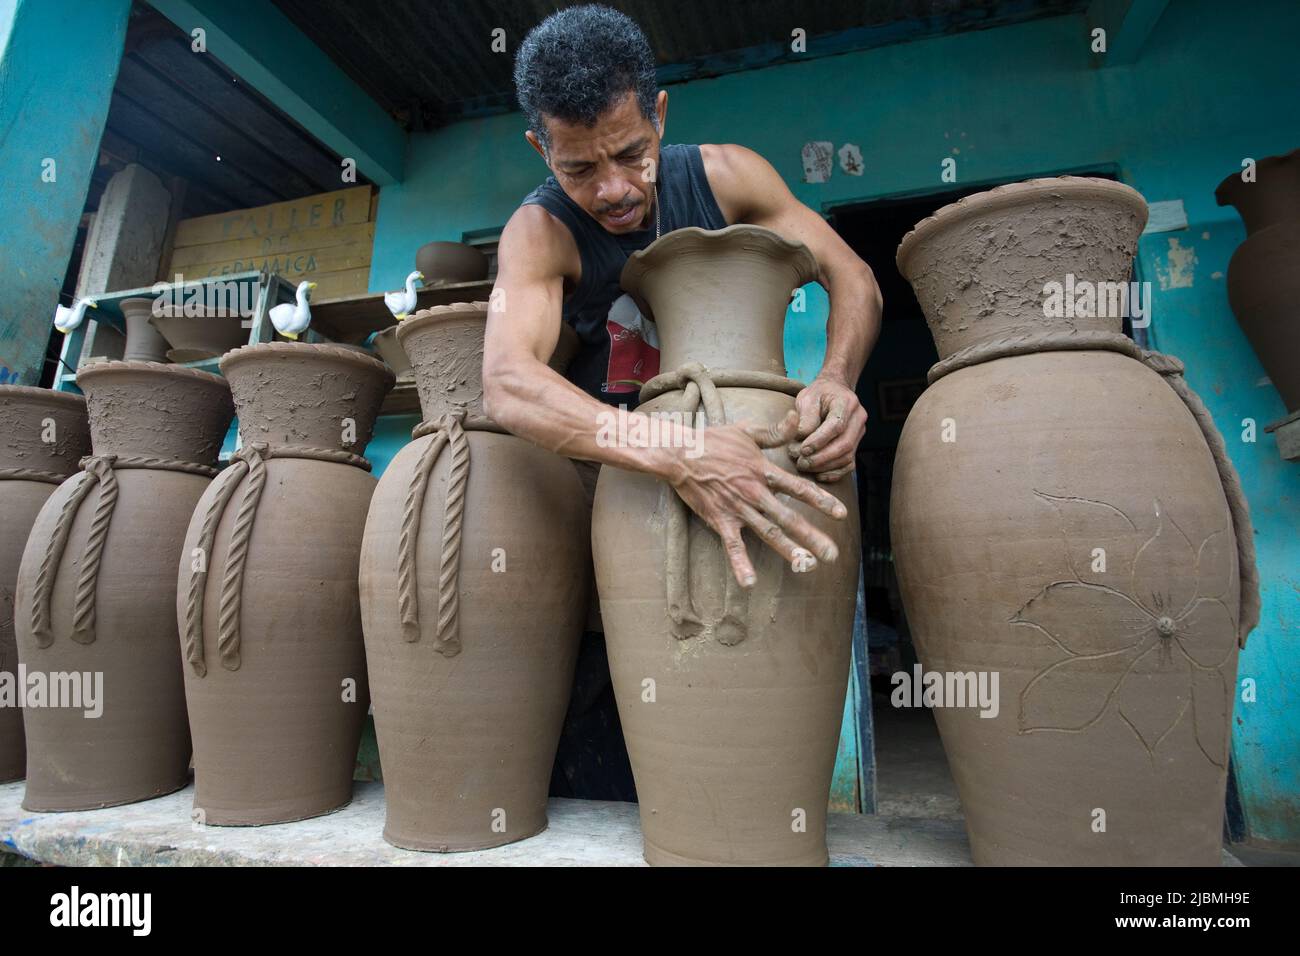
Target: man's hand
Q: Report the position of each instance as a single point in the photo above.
(733, 486)
(831, 423)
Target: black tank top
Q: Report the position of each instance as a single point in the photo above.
(620, 348)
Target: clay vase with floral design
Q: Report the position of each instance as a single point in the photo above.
(1264, 272)
(474, 577)
(270, 621)
(43, 434)
(730, 700)
(1073, 549)
(96, 602)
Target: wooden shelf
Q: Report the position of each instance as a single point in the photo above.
(261, 291)
(350, 319)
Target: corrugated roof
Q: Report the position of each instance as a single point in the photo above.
(429, 63)
(175, 113)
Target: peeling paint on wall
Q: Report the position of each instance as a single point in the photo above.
(1177, 269)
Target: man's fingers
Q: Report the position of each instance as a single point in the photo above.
(805, 491)
(737, 556)
(831, 426)
(808, 404)
(801, 529)
(842, 449)
(771, 534)
(774, 436)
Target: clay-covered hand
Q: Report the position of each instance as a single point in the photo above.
(732, 485)
(831, 423)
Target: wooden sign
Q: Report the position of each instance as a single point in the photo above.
(326, 239)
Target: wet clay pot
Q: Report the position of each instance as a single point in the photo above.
(97, 589)
(195, 338)
(390, 350)
(1064, 521)
(447, 262)
(143, 343)
(275, 670)
(43, 434)
(730, 701)
(474, 578)
(1264, 272)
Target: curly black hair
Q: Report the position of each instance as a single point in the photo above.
(577, 62)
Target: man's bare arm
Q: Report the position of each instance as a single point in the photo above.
(729, 483)
(831, 419)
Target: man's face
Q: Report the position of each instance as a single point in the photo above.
(609, 170)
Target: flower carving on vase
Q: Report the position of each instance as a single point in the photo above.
(1147, 640)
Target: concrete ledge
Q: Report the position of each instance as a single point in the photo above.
(581, 833)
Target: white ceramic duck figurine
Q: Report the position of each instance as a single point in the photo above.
(66, 319)
(402, 304)
(292, 320)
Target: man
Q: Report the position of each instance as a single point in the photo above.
(585, 79)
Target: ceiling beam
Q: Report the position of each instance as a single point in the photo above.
(261, 46)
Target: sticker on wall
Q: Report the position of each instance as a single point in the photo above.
(851, 159)
(817, 161)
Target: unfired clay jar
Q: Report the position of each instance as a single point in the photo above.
(43, 434)
(194, 338)
(446, 262)
(1264, 272)
(275, 670)
(1064, 517)
(143, 343)
(97, 587)
(390, 350)
(730, 701)
(474, 576)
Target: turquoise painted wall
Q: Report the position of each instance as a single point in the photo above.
(58, 63)
(1207, 90)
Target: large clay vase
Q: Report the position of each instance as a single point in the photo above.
(275, 670)
(730, 701)
(1264, 272)
(474, 577)
(97, 588)
(43, 434)
(1064, 519)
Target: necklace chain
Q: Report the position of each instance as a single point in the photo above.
(657, 230)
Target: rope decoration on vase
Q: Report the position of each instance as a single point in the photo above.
(1171, 370)
(249, 461)
(448, 432)
(33, 474)
(699, 387)
(97, 471)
